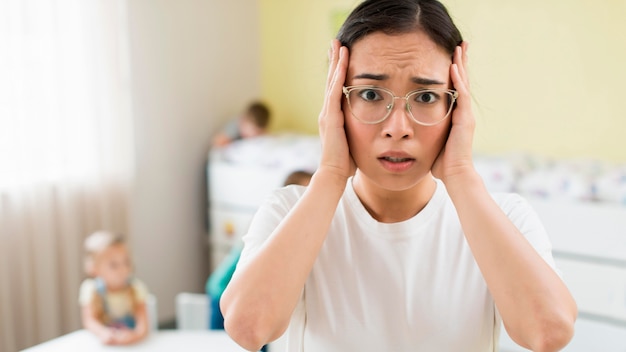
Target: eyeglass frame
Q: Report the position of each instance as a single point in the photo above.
(453, 93)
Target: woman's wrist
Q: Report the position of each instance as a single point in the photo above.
(329, 180)
(463, 181)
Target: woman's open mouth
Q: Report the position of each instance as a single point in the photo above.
(396, 164)
(396, 160)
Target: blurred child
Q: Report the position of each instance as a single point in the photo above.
(217, 282)
(299, 177)
(252, 123)
(113, 303)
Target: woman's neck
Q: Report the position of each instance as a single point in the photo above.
(390, 206)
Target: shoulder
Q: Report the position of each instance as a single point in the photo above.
(287, 194)
(514, 205)
(519, 211)
(527, 220)
(280, 201)
(88, 285)
(86, 291)
(141, 290)
(269, 215)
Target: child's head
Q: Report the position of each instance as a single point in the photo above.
(255, 120)
(108, 258)
(298, 178)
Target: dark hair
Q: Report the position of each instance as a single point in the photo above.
(400, 17)
(259, 113)
(298, 177)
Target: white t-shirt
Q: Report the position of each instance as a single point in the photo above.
(407, 286)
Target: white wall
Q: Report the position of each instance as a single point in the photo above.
(194, 64)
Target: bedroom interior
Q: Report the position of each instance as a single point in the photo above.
(548, 76)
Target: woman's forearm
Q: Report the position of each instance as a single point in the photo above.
(536, 306)
(264, 291)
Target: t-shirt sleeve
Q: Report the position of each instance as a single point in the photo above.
(86, 292)
(524, 217)
(267, 218)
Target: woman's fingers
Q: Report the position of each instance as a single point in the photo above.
(336, 87)
(334, 82)
(458, 73)
(460, 59)
(336, 154)
(333, 56)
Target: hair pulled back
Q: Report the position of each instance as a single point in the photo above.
(401, 17)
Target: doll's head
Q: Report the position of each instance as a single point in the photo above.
(108, 258)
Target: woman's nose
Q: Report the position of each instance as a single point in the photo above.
(398, 124)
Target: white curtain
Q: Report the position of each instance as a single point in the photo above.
(65, 155)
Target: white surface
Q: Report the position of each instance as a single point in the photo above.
(192, 311)
(152, 311)
(599, 289)
(244, 173)
(164, 340)
(589, 336)
(585, 228)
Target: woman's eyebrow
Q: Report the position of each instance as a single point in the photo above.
(372, 76)
(417, 80)
(426, 81)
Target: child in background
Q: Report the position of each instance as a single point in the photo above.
(113, 303)
(299, 177)
(252, 123)
(217, 282)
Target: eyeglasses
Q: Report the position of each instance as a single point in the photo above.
(372, 105)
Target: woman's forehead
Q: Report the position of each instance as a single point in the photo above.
(410, 53)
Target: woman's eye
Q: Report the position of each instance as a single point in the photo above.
(369, 95)
(427, 97)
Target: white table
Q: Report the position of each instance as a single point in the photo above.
(162, 340)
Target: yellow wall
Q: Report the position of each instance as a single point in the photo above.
(295, 37)
(547, 76)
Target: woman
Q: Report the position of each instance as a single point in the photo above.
(396, 245)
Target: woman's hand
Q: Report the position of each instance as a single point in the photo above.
(336, 156)
(455, 158)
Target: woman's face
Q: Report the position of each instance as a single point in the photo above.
(398, 152)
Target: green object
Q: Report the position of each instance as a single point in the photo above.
(219, 279)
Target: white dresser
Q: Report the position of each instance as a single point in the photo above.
(241, 175)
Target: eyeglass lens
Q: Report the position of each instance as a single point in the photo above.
(373, 105)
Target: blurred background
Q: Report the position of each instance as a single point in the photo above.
(108, 107)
